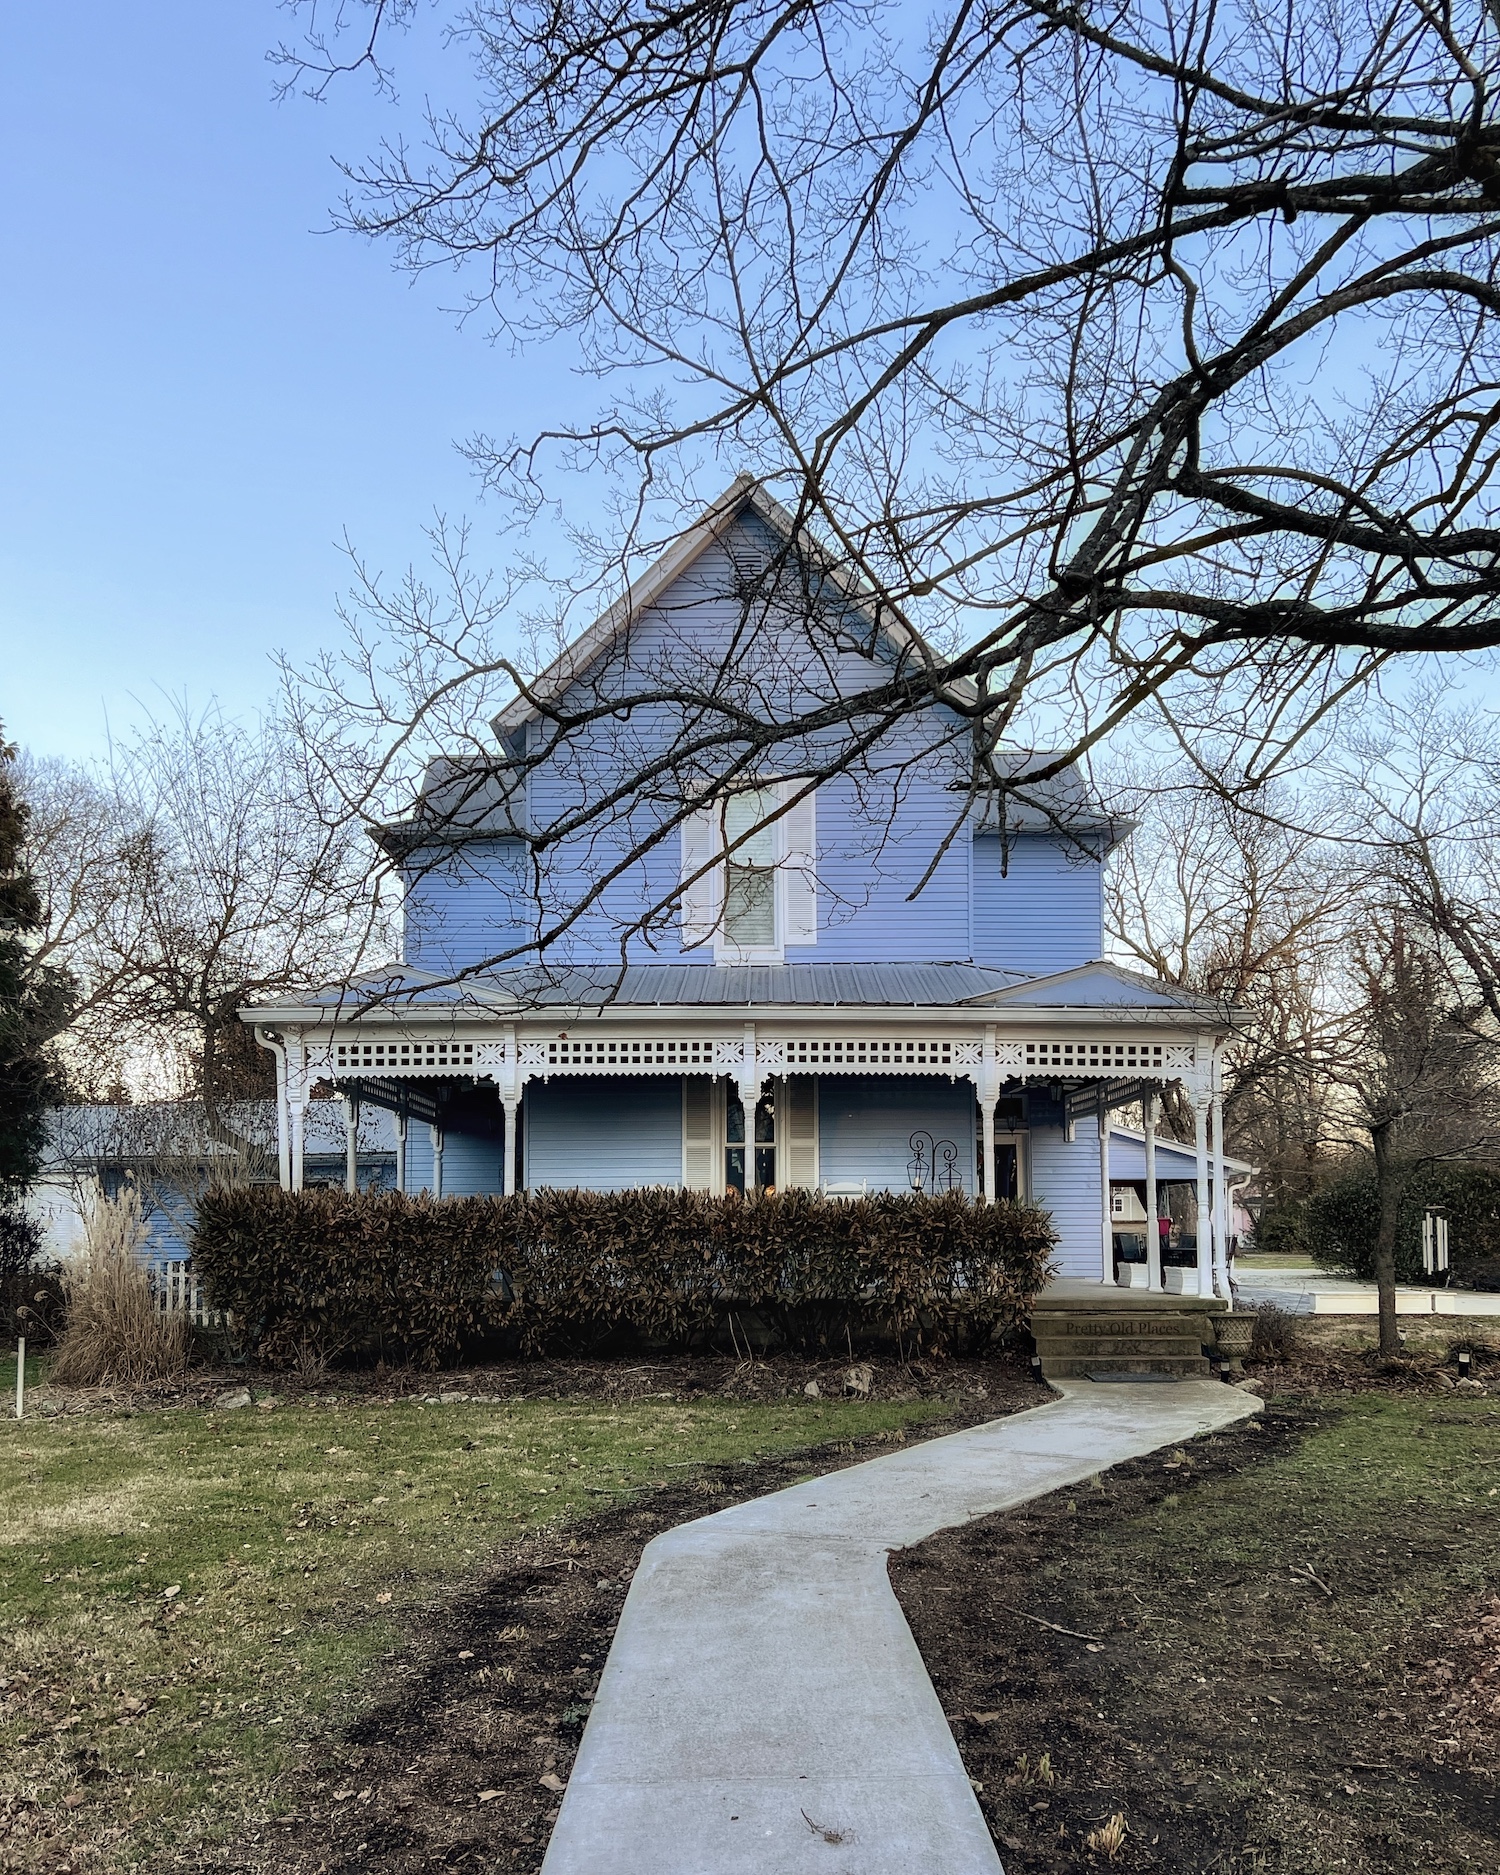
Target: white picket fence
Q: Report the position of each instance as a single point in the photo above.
(178, 1292)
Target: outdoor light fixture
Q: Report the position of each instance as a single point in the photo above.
(1036, 1369)
(1465, 1363)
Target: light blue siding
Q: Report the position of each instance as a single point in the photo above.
(1065, 1182)
(1127, 1161)
(471, 1164)
(1045, 914)
(418, 1159)
(865, 1127)
(873, 847)
(604, 1135)
(464, 909)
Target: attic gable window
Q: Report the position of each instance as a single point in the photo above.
(749, 872)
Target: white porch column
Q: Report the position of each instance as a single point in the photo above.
(1220, 1236)
(401, 1149)
(296, 1103)
(511, 1103)
(747, 1082)
(1107, 1247)
(351, 1142)
(511, 1086)
(1204, 1225)
(987, 1170)
(987, 1087)
(436, 1135)
(1153, 1223)
(268, 1039)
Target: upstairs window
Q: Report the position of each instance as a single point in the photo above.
(750, 843)
(749, 874)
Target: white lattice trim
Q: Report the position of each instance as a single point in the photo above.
(1079, 1056)
(395, 1057)
(633, 1055)
(932, 1054)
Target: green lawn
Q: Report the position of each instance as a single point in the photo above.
(186, 1594)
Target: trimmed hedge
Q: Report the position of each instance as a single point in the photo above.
(424, 1279)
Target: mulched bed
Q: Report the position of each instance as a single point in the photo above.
(682, 1377)
(448, 1766)
(1277, 1765)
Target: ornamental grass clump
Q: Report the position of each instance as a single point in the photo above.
(115, 1331)
(1276, 1335)
(424, 1279)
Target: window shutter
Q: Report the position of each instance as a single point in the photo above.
(797, 1132)
(801, 869)
(701, 897)
(699, 1134)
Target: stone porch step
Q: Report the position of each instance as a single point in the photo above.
(1189, 1347)
(1194, 1326)
(1073, 1366)
(1086, 1338)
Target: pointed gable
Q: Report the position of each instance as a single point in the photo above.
(722, 525)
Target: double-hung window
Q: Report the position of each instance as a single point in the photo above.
(752, 837)
(749, 874)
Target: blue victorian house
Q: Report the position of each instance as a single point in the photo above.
(866, 984)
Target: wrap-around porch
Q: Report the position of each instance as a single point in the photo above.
(1028, 1106)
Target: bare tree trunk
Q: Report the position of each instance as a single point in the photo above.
(1389, 1185)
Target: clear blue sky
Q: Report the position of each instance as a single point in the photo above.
(201, 390)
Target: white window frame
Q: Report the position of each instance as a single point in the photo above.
(726, 950)
(1021, 1140)
(705, 875)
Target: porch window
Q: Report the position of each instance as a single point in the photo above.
(750, 889)
(750, 1164)
(781, 1149)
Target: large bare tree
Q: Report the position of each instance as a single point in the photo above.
(185, 877)
(1255, 904)
(1143, 357)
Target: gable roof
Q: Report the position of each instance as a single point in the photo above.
(1176, 1162)
(743, 493)
(1102, 985)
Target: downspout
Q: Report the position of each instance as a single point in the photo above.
(269, 1039)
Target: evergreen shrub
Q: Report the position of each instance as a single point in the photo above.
(352, 1275)
(1339, 1223)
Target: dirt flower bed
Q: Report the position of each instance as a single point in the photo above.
(679, 1377)
(1465, 1687)
(1239, 1654)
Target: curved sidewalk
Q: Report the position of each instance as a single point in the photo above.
(764, 1709)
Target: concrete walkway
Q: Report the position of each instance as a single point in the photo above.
(764, 1708)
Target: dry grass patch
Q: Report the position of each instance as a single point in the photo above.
(116, 1332)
